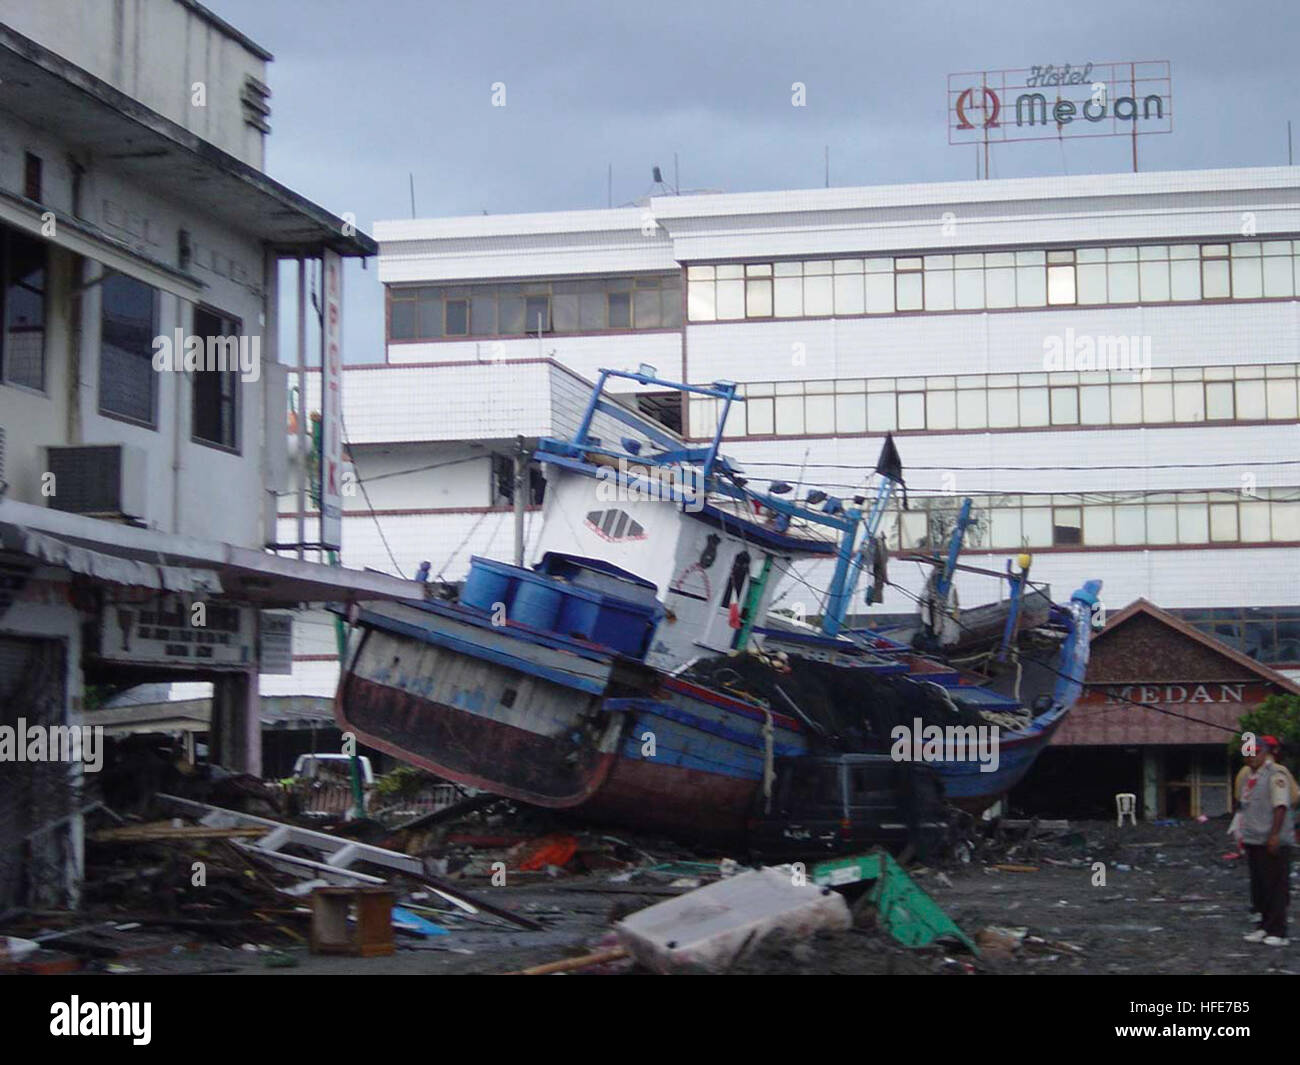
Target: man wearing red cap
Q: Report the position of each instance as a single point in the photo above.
(1267, 830)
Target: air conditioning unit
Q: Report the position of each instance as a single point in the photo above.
(101, 480)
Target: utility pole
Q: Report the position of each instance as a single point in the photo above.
(521, 489)
(304, 460)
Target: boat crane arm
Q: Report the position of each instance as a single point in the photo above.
(853, 554)
(870, 528)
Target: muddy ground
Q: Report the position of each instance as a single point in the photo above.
(1170, 903)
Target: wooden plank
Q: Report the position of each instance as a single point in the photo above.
(569, 964)
(148, 833)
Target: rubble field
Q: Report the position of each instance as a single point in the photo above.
(1035, 897)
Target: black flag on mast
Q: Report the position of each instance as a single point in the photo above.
(890, 465)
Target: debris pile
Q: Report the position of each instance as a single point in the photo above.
(183, 883)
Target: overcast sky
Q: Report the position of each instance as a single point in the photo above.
(367, 92)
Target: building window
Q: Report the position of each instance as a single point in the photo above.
(562, 307)
(1268, 634)
(216, 391)
(457, 320)
(502, 487)
(976, 281)
(32, 177)
(537, 314)
(128, 324)
(1186, 395)
(23, 265)
(1116, 519)
(620, 310)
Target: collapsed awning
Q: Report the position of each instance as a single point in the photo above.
(147, 558)
(276, 712)
(113, 569)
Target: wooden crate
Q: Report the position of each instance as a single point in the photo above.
(369, 935)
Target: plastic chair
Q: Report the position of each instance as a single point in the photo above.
(1126, 803)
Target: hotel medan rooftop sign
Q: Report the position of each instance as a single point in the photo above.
(1060, 100)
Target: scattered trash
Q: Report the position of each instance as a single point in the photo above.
(547, 851)
(278, 959)
(1000, 942)
(903, 909)
(406, 921)
(13, 949)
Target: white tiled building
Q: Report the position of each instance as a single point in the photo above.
(931, 311)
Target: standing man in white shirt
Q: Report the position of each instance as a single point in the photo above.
(1267, 831)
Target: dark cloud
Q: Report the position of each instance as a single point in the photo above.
(366, 93)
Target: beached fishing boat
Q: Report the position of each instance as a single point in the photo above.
(605, 679)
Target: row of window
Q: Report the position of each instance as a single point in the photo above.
(1006, 401)
(1267, 634)
(128, 383)
(1133, 519)
(504, 310)
(975, 281)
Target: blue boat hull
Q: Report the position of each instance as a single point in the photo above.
(562, 723)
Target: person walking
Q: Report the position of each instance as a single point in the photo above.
(1268, 832)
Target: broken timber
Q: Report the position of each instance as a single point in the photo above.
(339, 855)
(566, 965)
(150, 833)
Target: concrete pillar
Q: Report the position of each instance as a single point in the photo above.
(236, 732)
(1152, 760)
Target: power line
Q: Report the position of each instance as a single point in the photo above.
(456, 550)
(370, 506)
(1030, 469)
(423, 469)
(1098, 496)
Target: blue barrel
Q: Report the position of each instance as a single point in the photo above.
(624, 626)
(580, 614)
(488, 583)
(537, 603)
(616, 623)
